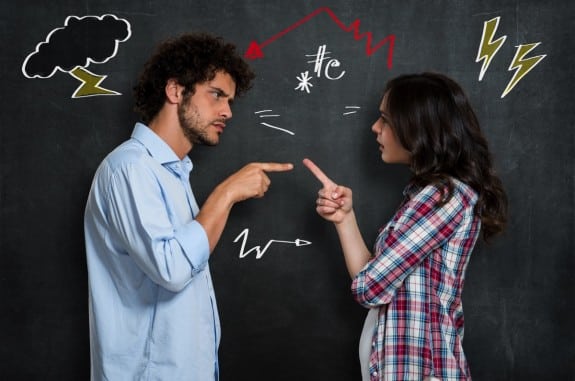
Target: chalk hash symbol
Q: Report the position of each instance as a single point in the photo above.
(318, 61)
(73, 47)
(488, 48)
(258, 250)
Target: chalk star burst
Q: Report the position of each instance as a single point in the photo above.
(304, 82)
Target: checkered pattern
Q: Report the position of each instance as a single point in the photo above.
(416, 279)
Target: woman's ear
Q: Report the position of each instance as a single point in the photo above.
(173, 91)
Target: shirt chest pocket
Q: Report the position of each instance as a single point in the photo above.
(388, 229)
(380, 240)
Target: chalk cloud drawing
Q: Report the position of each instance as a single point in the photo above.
(261, 251)
(72, 48)
(488, 48)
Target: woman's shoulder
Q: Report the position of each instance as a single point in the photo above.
(452, 190)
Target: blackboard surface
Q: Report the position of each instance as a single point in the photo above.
(289, 315)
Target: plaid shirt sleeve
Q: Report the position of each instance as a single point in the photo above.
(418, 227)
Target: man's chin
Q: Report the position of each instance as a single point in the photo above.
(208, 142)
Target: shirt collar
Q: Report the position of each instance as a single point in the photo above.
(158, 148)
(410, 190)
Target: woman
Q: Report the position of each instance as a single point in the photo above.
(413, 281)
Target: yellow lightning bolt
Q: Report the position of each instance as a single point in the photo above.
(522, 65)
(90, 83)
(489, 48)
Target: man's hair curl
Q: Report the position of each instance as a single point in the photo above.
(189, 59)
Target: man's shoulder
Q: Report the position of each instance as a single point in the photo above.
(128, 156)
(129, 152)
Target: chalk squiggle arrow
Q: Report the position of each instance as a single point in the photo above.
(255, 50)
(259, 251)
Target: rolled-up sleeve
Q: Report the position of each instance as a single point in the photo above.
(194, 242)
(421, 226)
(142, 219)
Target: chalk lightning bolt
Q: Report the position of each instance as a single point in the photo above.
(489, 48)
(90, 83)
(522, 65)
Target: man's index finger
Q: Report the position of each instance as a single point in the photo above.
(275, 167)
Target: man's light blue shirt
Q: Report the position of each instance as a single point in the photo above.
(153, 313)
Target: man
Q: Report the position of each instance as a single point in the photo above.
(153, 313)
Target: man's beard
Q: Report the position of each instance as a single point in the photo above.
(192, 123)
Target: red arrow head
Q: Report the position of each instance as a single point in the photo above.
(254, 51)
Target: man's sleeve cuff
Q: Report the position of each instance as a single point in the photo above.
(195, 245)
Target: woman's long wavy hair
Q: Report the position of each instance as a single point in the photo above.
(433, 119)
(189, 59)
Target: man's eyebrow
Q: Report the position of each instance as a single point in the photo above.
(219, 90)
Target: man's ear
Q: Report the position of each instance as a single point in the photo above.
(173, 91)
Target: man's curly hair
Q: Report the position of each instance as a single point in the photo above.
(189, 59)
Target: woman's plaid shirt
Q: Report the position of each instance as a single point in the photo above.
(416, 279)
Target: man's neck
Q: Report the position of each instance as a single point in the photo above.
(167, 126)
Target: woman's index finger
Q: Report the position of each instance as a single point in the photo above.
(318, 173)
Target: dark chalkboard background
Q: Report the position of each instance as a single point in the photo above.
(289, 315)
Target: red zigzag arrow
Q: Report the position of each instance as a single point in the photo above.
(255, 50)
